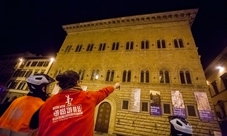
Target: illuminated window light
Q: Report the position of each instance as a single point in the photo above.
(219, 67)
(52, 59)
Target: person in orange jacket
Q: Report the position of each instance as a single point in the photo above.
(17, 116)
(71, 111)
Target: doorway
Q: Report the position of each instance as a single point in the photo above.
(103, 118)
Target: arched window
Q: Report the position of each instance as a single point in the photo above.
(115, 46)
(78, 48)
(81, 73)
(164, 76)
(90, 47)
(110, 75)
(68, 48)
(144, 76)
(185, 77)
(161, 44)
(145, 44)
(95, 74)
(129, 45)
(178, 43)
(126, 76)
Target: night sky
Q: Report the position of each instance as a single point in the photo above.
(36, 26)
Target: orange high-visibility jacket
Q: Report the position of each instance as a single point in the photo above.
(71, 112)
(17, 116)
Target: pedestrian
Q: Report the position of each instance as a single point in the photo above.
(71, 111)
(17, 116)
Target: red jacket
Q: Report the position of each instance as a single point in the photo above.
(70, 112)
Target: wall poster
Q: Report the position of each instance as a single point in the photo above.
(203, 106)
(178, 104)
(135, 100)
(155, 103)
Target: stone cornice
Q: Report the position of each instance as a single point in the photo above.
(172, 16)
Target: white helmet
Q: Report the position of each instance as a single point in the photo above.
(37, 85)
(39, 79)
(180, 126)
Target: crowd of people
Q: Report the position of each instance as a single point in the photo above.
(69, 112)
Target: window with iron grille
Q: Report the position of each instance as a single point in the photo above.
(191, 110)
(125, 104)
(144, 106)
(166, 108)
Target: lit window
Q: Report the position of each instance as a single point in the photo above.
(95, 74)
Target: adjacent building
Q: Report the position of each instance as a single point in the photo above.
(16, 85)
(216, 76)
(8, 63)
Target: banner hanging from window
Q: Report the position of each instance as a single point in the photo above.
(203, 106)
(135, 100)
(155, 103)
(178, 104)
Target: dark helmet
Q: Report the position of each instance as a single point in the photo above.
(36, 83)
(179, 126)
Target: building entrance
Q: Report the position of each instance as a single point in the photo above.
(103, 117)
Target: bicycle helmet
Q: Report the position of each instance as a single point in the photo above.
(37, 85)
(179, 126)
